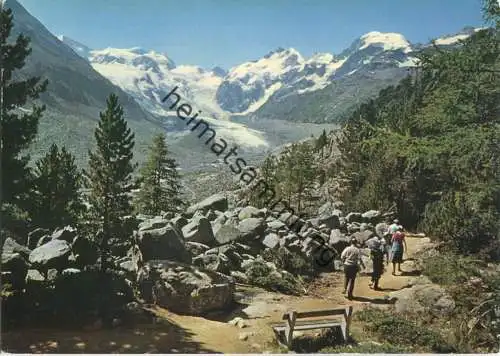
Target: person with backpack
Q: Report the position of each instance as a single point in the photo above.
(398, 247)
(351, 259)
(378, 250)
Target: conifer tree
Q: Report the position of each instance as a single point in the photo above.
(56, 190)
(160, 181)
(17, 130)
(321, 142)
(109, 177)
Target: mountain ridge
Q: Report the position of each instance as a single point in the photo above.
(249, 88)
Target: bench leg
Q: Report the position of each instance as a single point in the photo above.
(292, 316)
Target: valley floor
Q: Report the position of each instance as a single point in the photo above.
(175, 333)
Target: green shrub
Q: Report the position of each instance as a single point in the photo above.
(402, 331)
(448, 269)
(367, 347)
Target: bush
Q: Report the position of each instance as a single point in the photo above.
(457, 220)
(401, 331)
(448, 269)
(366, 347)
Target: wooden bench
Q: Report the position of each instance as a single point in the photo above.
(340, 317)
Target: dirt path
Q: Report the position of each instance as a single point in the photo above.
(212, 333)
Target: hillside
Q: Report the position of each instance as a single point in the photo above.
(76, 92)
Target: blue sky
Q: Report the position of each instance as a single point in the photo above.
(228, 32)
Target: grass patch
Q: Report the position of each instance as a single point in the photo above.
(402, 332)
(448, 269)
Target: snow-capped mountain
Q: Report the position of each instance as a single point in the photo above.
(245, 88)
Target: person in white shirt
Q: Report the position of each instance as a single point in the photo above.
(351, 259)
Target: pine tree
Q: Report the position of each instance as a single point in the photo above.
(56, 188)
(160, 181)
(17, 130)
(321, 142)
(110, 177)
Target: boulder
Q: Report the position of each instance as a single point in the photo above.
(227, 233)
(196, 248)
(252, 228)
(34, 276)
(338, 240)
(35, 235)
(199, 230)
(163, 243)
(371, 216)
(288, 218)
(11, 246)
(271, 240)
(215, 202)
(43, 240)
(354, 217)
(326, 208)
(362, 236)
(67, 234)
(353, 227)
(381, 229)
(331, 221)
(188, 289)
(423, 298)
(275, 225)
(250, 212)
(179, 221)
(53, 254)
(155, 223)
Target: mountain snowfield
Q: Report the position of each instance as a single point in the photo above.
(148, 75)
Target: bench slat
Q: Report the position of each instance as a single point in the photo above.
(320, 312)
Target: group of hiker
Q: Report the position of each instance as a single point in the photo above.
(391, 246)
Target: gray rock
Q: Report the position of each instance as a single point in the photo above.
(353, 227)
(155, 223)
(326, 208)
(34, 275)
(67, 234)
(371, 216)
(43, 240)
(338, 240)
(187, 289)
(11, 246)
(179, 221)
(275, 224)
(35, 235)
(423, 298)
(250, 212)
(227, 233)
(252, 228)
(215, 202)
(271, 240)
(53, 254)
(365, 226)
(199, 230)
(331, 221)
(163, 243)
(362, 236)
(196, 248)
(354, 217)
(381, 229)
